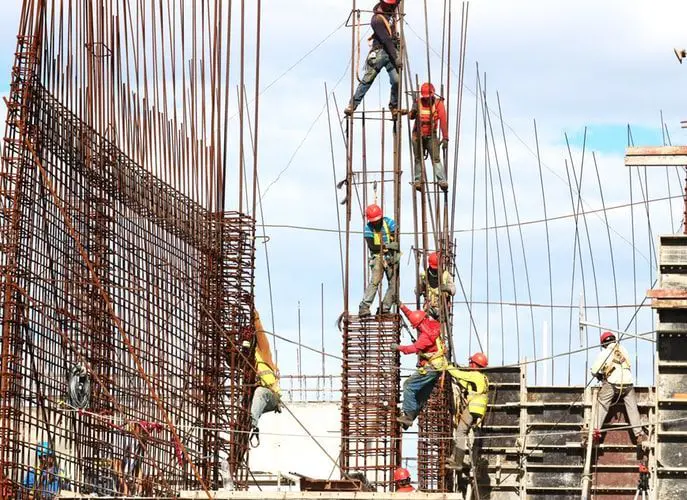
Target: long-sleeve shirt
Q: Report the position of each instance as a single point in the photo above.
(614, 357)
(476, 384)
(428, 333)
(439, 116)
(383, 36)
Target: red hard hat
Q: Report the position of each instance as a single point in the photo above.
(415, 317)
(373, 213)
(480, 359)
(427, 90)
(401, 474)
(390, 2)
(433, 260)
(606, 335)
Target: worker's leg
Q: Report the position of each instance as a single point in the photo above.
(262, 400)
(461, 442)
(417, 153)
(393, 80)
(605, 399)
(390, 297)
(416, 391)
(433, 147)
(376, 272)
(632, 410)
(372, 68)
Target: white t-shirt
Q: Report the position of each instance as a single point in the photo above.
(621, 375)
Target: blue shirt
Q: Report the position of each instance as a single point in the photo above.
(385, 235)
(49, 484)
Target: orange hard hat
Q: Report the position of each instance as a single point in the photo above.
(401, 474)
(390, 2)
(427, 90)
(415, 317)
(433, 260)
(373, 213)
(480, 359)
(607, 335)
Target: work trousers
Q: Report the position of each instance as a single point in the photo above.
(460, 443)
(608, 394)
(376, 60)
(417, 388)
(377, 270)
(264, 400)
(431, 144)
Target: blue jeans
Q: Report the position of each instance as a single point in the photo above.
(376, 60)
(264, 400)
(416, 390)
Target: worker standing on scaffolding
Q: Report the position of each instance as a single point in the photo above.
(384, 53)
(470, 393)
(428, 112)
(384, 257)
(612, 368)
(433, 289)
(267, 395)
(430, 350)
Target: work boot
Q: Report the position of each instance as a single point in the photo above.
(443, 185)
(364, 311)
(406, 421)
(348, 110)
(641, 438)
(417, 185)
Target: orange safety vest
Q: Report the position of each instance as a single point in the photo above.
(428, 116)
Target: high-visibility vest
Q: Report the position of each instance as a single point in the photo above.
(377, 236)
(476, 385)
(434, 293)
(428, 117)
(266, 376)
(436, 358)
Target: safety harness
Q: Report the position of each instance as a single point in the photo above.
(428, 117)
(377, 235)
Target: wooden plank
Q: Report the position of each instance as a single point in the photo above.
(669, 304)
(656, 161)
(666, 293)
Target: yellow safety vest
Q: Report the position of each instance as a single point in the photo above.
(377, 238)
(476, 385)
(266, 376)
(436, 358)
(433, 294)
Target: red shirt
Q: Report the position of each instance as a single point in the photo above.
(424, 120)
(429, 330)
(405, 489)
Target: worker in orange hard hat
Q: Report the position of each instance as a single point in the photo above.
(384, 53)
(402, 480)
(429, 112)
(471, 396)
(430, 351)
(384, 257)
(432, 288)
(612, 368)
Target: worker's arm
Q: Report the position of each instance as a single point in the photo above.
(413, 111)
(382, 34)
(470, 378)
(599, 362)
(424, 341)
(447, 285)
(443, 122)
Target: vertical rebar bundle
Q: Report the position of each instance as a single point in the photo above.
(127, 287)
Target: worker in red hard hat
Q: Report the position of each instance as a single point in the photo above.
(384, 257)
(430, 351)
(434, 289)
(402, 480)
(384, 53)
(612, 368)
(471, 397)
(429, 112)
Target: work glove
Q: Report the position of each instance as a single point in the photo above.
(394, 346)
(444, 144)
(393, 246)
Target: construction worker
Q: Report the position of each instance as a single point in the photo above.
(384, 53)
(429, 348)
(612, 368)
(432, 289)
(267, 395)
(428, 112)
(402, 480)
(472, 397)
(380, 236)
(46, 481)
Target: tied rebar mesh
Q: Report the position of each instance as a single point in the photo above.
(370, 397)
(155, 317)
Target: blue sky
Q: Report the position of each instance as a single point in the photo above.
(571, 66)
